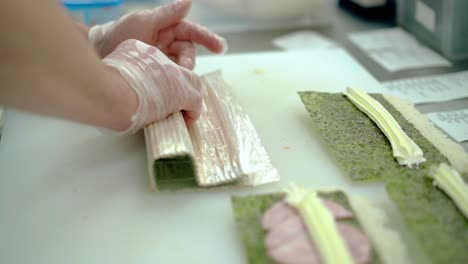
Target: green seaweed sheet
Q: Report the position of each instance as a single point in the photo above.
(441, 229)
(365, 154)
(357, 143)
(176, 173)
(249, 210)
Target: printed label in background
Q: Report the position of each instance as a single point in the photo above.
(425, 15)
(302, 40)
(396, 50)
(430, 89)
(455, 123)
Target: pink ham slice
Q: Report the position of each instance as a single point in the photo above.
(338, 211)
(279, 211)
(299, 250)
(357, 242)
(276, 214)
(288, 240)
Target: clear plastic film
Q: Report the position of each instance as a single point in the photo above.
(221, 147)
(167, 140)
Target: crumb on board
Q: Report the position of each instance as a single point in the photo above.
(286, 147)
(258, 71)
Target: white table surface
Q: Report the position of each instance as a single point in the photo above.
(69, 194)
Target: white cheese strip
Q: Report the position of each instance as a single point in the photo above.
(321, 225)
(404, 148)
(455, 153)
(450, 181)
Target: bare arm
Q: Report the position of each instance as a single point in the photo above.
(48, 67)
(83, 29)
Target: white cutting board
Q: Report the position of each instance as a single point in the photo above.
(69, 194)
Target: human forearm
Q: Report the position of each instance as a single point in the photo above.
(83, 29)
(104, 101)
(49, 68)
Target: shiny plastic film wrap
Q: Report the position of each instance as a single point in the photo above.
(221, 149)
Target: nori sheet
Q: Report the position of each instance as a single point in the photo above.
(358, 144)
(365, 154)
(173, 174)
(249, 210)
(178, 174)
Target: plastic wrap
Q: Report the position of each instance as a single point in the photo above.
(222, 147)
(168, 146)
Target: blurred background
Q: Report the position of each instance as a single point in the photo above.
(220, 15)
(250, 25)
(393, 39)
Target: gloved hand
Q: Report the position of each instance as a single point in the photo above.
(162, 27)
(162, 87)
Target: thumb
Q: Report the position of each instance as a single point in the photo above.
(171, 14)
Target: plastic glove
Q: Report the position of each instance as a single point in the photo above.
(162, 27)
(162, 87)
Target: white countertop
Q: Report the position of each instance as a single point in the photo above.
(69, 194)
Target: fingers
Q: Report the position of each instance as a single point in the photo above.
(195, 81)
(192, 110)
(170, 14)
(162, 86)
(184, 53)
(173, 58)
(185, 94)
(190, 116)
(200, 35)
(187, 31)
